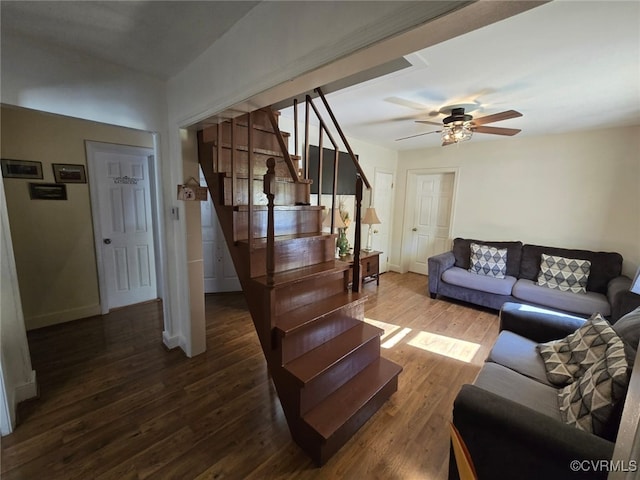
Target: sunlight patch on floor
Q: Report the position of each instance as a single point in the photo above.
(430, 342)
(447, 346)
(387, 327)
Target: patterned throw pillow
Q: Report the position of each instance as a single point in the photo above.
(589, 403)
(566, 274)
(565, 360)
(490, 261)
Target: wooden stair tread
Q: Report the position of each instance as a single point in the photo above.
(304, 273)
(261, 242)
(264, 208)
(296, 319)
(317, 361)
(334, 411)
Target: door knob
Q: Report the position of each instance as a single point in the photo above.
(107, 241)
(414, 229)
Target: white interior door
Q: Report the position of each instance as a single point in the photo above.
(383, 203)
(219, 271)
(123, 223)
(429, 217)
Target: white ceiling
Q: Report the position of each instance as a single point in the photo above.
(566, 65)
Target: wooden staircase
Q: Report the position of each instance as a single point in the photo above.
(323, 358)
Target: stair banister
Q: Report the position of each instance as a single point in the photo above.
(233, 160)
(269, 191)
(336, 154)
(356, 247)
(283, 146)
(250, 180)
(306, 139)
(320, 168)
(295, 127)
(343, 137)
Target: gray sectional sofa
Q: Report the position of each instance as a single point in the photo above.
(449, 276)
(509, 418)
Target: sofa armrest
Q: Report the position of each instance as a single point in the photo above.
(621, 299)
(437, 265)
(507, 440)
(536, 323)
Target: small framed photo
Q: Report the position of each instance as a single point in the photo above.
(21, 169)
(48, 191)
(68, 173)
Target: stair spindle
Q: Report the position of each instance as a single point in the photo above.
(269, 191)
(250, 202)
(356, 244)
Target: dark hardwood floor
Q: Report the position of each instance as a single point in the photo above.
(115, 404)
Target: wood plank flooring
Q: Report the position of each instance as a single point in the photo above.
(115, 404)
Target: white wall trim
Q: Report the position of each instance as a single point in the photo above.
(26, 390)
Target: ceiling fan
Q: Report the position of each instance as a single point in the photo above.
(460, 126)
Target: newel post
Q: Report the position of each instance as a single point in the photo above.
(355, 286)
(269, 191)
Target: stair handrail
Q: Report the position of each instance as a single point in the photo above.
(283, 145)
(354, 159)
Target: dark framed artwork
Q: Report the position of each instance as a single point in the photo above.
(69, 173)
(48, 191)
(21, 169)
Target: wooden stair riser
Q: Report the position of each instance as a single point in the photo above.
(262, 138)
(288, 222)
(318, 332)
(258, 117)
(241, 163)
(314, 289)
(286, 193)
(292, 255)
(339, 374)
(344, 434)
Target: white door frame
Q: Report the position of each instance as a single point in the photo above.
(412, 174)
(92, 148)
(387, 247)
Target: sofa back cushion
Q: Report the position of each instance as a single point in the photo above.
(605, 266)
(462, 253)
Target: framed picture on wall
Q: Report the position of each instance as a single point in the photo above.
(68, 173)
(47, 191)
(21, 169)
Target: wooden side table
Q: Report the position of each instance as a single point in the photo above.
(370, 262)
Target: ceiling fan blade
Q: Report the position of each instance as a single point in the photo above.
(418, 135)
(496, 130)
(439, 124)
(406, 103)
(496, 117)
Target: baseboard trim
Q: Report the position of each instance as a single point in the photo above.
(61, 316)
(170, 341)
(26, 390)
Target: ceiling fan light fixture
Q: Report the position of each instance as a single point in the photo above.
(456, 133)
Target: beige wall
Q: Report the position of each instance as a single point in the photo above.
(577, 190)
(53, 240)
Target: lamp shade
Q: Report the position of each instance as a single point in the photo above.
(371, 217)
(337, 220)
(635, 285)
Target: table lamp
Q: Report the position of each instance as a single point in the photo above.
(370, 218)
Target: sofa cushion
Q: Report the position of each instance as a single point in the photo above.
(567, 359)
(589, 403)
(523, 390)
(462, 252)
(486, 260)
(566, 274)
(628, 329)
(519, 354)
(464, 278)
(605, 266)
(582, 304)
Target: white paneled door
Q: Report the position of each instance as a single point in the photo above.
(219, 272)
(121, 203)
(428, 217)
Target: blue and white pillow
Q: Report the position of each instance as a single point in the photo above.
(566, 274)
(490, 261)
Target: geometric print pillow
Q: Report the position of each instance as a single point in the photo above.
(566, 274)
(589, 403)
(567, 359)
(490, 261)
